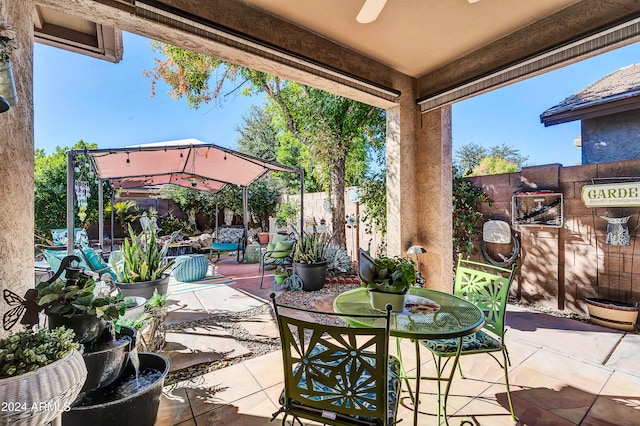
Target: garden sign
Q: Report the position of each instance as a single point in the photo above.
(612, 195)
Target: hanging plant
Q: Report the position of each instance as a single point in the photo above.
(7, 43)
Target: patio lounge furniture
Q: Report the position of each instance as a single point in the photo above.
(337, 375)
(89, 259)
(229, 239)
(487, 287)
(279, 252)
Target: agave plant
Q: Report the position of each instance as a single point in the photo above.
(142, 259)
(312, 246)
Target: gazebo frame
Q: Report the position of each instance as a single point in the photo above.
(189, 163)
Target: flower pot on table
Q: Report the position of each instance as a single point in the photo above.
(379, 300)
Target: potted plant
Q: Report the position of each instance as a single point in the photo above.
(388, 279)
(79, 304)
(310, 258)
(43, 366)
(143, 266)
(279, 275)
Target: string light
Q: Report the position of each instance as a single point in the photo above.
(128, 161)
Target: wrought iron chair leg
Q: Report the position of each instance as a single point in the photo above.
(506, 379)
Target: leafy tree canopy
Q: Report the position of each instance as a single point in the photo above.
(50, 189)
(468, 157)
(326, 135)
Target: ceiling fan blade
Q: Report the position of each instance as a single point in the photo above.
(370, 11)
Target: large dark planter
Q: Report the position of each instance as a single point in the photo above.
(312, 275)
(86, 327)
(140, 409)
(107, 361)
(145, 288)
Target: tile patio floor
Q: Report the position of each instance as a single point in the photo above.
(563, 372)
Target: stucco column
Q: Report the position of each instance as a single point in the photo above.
(419, 189)
(16, 157)
(434, 186)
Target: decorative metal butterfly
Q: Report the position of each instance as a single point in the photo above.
(26, 309)
(21, 309)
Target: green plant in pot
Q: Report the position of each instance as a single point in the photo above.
(387, 278)
(77, 304)
(36, 367)
(279, 275)
(310, 258)
(143, 265)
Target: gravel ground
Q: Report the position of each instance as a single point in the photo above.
(232, 323)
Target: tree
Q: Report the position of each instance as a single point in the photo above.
(328, 133)
(468, 157)
(493, 165)
(50, 189)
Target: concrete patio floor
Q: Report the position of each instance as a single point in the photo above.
(563, 372)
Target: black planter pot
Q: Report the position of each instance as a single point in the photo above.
(145, 288)
(107, 359)
(140, 409)
(86, 327)
(313, 275)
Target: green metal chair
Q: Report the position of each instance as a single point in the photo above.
(486, 286)
(335, 374)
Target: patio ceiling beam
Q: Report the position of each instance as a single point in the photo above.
(582, 30)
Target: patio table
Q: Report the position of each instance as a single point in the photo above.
(455, 318)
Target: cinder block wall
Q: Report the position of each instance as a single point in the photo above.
(559, 267)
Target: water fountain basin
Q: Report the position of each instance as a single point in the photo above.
(139, 408)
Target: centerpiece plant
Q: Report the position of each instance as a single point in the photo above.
(388, 279)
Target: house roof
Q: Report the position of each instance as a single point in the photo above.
(190, 163)
(616, 92)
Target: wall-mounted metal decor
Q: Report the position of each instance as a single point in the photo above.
(537, 209)
(617, 231)
(612, 195)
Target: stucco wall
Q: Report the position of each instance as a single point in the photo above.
(559, 267)
(615, 137)
(16, 157)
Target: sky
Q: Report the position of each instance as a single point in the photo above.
(77, 97)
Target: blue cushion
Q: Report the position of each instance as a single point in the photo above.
(479, 341)
(393, 382)
(190, 267)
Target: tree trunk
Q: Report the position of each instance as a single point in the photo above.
(336, 197)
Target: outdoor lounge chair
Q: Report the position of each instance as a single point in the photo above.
(89, 259)
(486, 286)
(229, 239)
(336, 374)
(279, 252)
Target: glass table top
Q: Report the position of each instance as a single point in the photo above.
(456, 317)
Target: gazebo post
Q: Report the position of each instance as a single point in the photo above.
(70, 192)
(245, 211)
(100, 214)
(113, 198)
(301, 201)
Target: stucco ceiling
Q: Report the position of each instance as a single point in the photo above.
(413, 36)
